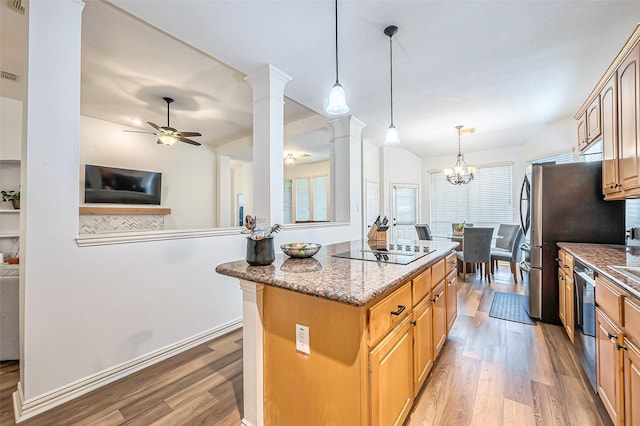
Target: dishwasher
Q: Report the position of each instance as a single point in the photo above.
(585, 318)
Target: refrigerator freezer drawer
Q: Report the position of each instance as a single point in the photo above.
(533, 290)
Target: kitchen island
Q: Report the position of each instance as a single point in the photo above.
(334, 340)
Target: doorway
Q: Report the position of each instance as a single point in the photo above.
(404, 211)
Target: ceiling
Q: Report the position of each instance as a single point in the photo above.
(506, 68)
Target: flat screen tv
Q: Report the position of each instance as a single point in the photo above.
(104, 184)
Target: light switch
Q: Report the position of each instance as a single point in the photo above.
(302, 339)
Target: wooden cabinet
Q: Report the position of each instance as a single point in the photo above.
(391, 377)
(628, 131)
(609, 372)
(566, 292)
(589, 125)
(439, 318)
(452, 298)
(609, 107)
(612, 112)
(631, 383)
(422, 342)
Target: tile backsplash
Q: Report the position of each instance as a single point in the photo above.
(632, 221)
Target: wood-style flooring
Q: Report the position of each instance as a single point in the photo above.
(490, 372)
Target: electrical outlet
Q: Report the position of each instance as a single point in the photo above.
(302, 339)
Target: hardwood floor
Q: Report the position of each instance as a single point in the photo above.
(490, 372)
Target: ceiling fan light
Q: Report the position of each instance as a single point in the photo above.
(167, 139)
(289, 160)
(337, 100)
(392, 136)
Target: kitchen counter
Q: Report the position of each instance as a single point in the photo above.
(353, 282)
(601, 256)
(311, 328)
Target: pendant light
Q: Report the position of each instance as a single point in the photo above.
(337, 98)
(461, 173)
(392, 133)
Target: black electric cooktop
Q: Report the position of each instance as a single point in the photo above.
(401, 257)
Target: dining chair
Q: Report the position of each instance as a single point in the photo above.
(477, 249)
(512, 254)
(424, 232)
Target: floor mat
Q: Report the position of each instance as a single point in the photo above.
(510, 307)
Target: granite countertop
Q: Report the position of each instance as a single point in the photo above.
(601, 256)
(349, 281)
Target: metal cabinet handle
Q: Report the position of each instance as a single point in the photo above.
(619, 346)
(414, 323)
(436, 297)
(400, 310)
(611, 336)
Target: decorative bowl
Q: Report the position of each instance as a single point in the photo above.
(300, 250)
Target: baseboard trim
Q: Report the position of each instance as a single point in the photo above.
(24, 410)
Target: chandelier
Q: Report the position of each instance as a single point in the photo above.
(461, 172)
(289, 160)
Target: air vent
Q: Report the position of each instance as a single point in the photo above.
(8, 75)
(17, 5)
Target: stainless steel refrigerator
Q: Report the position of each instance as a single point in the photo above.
(562, 202)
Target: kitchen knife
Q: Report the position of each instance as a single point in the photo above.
(385, 221)
(377, 221)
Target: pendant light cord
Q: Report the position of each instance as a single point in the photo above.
(391, 73)
(168, 108)
(336, 3)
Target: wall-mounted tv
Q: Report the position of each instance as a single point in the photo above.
(104, 184)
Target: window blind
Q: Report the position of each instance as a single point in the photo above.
(406, 202)
(288, 201)
(303, 199)
(486, 201)
(563, 158)
(320, 211)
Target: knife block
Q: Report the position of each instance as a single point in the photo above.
(378, 236)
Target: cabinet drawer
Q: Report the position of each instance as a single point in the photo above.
(438, 271)
(567, 263)
(389, 312)
(422, 285)
(609, 300)
(632, 319)
(450, 263)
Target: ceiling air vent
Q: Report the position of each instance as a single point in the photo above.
(17, 5)
(8, 75)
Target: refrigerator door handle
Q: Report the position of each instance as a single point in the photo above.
(525, 194)
(525, 266)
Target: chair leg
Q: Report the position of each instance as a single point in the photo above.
(492, 269)
(464, 271)
(486, 267)
(514, 272)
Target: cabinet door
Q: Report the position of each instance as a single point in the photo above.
(593, 120)
(631, 384)
(608, 366)
(391, 377)
(569, 299)
(628, 108)
(439, 317)
(422, 343)
(452, 299)
(582, 131)
(609, 107)
(561, 292)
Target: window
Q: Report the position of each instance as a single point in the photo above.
(486, 201)
(563, 158)
(306, 199)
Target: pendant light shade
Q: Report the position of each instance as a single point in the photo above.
(392, 133)
(337, 98)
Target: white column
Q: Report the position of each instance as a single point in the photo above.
(346, 162)
(268, 142)
(225, 196)
(252, 353)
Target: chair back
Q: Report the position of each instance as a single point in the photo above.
(516, 251)
(509, 234)
(424, 232)
(477, 245)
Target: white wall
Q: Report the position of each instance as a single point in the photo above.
(187, 170)
(86, 310)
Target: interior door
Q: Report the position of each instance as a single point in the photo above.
(372, 204)
(404, 211)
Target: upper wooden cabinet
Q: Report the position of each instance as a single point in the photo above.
(609, 107)
(589, 125)
(611, 113)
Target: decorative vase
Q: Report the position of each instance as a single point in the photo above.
(260, 252)
(16, 204)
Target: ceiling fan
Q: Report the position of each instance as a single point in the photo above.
(167, 135)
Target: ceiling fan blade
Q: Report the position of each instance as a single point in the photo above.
(189, 134)
(189, 141)
(140, 131)
(155, 126)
